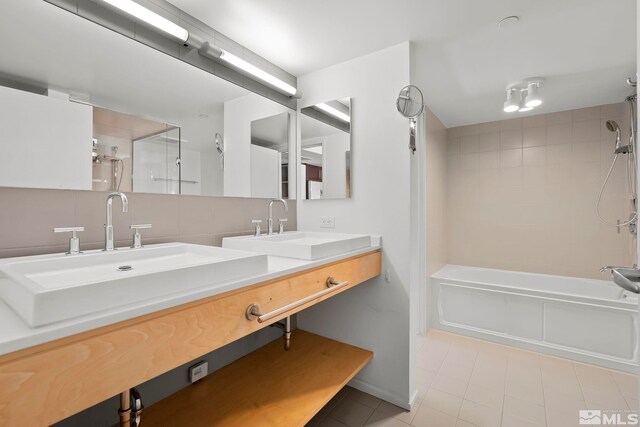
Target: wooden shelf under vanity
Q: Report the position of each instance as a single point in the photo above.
(47, 383)
(268, 387)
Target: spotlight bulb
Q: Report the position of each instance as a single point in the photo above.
(512, 104)
(533, 98)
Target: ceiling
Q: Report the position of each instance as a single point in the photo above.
(67, 53)
(112, 123)
(584, 48)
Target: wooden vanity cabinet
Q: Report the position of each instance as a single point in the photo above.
(47, 383)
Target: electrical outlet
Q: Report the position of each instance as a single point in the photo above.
(328, 222)
(198, 371)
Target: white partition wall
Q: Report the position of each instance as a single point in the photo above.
(45, 142)
(238, 115)
(266, 172)
(375, 315)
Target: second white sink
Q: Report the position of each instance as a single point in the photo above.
(298, 244)
(49, 288)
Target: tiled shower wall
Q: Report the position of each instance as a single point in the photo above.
(28, 216)
(521, 193)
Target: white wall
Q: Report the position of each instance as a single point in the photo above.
(266, 172)
(375, 315)
(238, 115)
(45, 141)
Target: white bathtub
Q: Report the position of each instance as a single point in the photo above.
(592, 321)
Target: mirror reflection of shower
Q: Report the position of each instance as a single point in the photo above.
(627, 153)
(117, 164)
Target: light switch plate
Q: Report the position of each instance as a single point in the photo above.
(198, 371)
(328, 222)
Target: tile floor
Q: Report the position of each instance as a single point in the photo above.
(467, 382)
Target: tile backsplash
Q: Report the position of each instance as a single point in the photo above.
(521, 193)
(28, 216)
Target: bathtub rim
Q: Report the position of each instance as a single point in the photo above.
(628, 303)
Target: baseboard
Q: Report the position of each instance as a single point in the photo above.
(383, 394)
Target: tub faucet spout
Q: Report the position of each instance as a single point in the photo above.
(609, 268)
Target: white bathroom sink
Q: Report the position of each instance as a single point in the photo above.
(49, 288)
(301, 245)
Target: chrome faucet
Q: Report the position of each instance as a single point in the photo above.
(270, 220)
(108, 226)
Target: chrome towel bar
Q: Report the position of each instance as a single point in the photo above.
(253, 311)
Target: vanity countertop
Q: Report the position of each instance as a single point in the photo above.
(16, 335)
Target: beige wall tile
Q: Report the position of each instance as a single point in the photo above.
(535, 211)
(535, 156)
(511, 124)
(469, 161)
(489, 142)
(489, 127)
(196, 215)
(559, 134)
(511, 139)
(511, 158)
(539, 120)
(534, 175)
(582, 114)
(469, 144)
(611, 111)
(489, 160)
(559, 154)
(535, 136)
(588, 130)
(585, 151)
(453, 146)
(29, 216)
(559, 117)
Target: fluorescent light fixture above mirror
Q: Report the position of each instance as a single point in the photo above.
(334, 112)
(165, 26)
(143, 14)
(257, 72)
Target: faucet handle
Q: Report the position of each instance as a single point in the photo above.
(281, 224)
(257, 223)
(137, 238)
(74, 241)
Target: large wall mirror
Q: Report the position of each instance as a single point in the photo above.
(87, 108)
(325, 154)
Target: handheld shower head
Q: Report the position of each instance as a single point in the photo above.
(614, 127)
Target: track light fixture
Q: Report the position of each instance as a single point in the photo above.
(523, 96)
